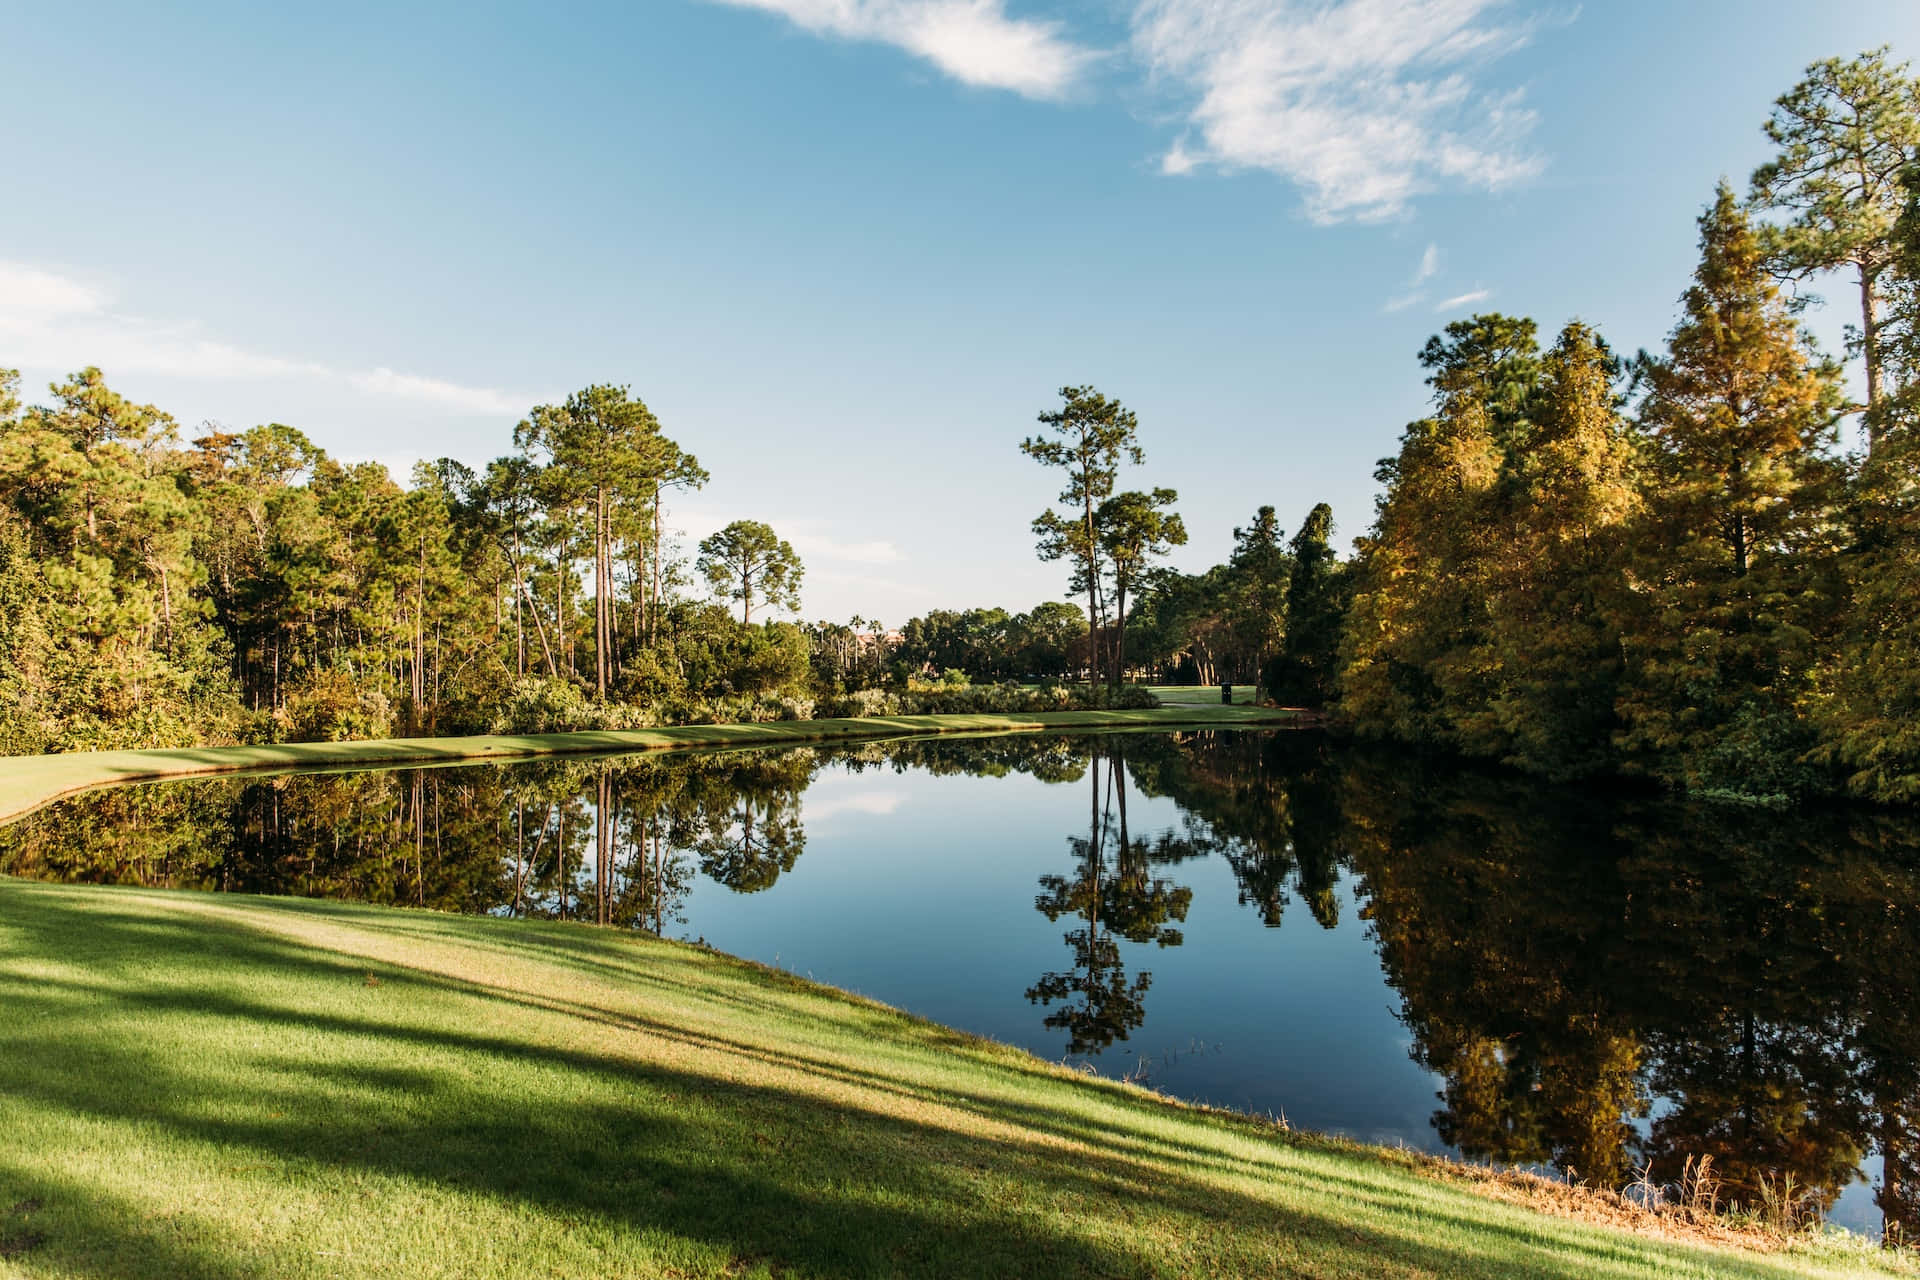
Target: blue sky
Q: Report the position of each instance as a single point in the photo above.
(846, 249)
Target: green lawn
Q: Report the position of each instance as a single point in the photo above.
(221, 1087)
(1200, 695)
(26, 782)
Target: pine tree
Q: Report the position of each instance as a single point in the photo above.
(1724, 585)
(1416, 646)
(1845, 132)
(1868, 709)
(1303, 672)
(1576, 489)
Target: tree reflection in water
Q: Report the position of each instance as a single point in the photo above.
(1097, 1003)
(1601, 983)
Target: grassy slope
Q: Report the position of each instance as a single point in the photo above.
(26, 782)
(219, 1087)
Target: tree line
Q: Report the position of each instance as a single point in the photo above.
(1673, 565)
(245, 585)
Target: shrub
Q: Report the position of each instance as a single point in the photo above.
(1014, 699)
(332, 706)
(858, 705)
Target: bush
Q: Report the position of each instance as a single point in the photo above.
(858, 705)
(541, 704)
(1014, 699)
(332, 706)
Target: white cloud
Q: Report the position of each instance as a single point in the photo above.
(435, 391)
(1428, 268)
(31, 293)
(1429, 265)
(810, 542)
(867, 803)
(1465, 300)
(974, 41)
(1364, 104)
(50, 321)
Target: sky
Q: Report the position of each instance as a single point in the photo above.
(846, 250)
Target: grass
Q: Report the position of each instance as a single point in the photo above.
(27, 782)
(1200, 695)
(217, 1087)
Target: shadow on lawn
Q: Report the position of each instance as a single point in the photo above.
(763, 1175)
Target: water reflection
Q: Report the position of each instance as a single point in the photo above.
(1112, 891)
(1597, 983)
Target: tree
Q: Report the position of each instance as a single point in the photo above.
(1416, 650)
(1554, 627)
(747, 561)
(1741, 416)
(1868, 707)
(1302, 673)
(1092, 435)
(1257, 587)
(1845, 134)
(1135, 529)
(605, 451)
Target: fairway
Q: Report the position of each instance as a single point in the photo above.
(1200, 695)
(217, 1087)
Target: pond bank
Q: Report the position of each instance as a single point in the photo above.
(222, 1086)
(27, 782)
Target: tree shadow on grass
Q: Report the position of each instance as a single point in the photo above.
(764, 1175)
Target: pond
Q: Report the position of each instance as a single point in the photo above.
(1361, 943)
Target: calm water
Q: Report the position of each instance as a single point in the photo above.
(1261, 920)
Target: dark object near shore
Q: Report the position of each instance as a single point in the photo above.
(1226, 692)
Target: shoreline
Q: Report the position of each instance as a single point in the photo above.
(747, 1054)
(28, 783)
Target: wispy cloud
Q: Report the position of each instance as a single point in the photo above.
(451, 395)
(1464, 300)
(819, 808)
(810, 541)
(1363, 104)
(975, 41)
(52, 320)
(30, 293)
(834, 556)
(1428, 268)
(1429, 265)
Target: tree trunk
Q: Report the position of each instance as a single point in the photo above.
(519, 621)
(653, 617)
(1870, 347)
(600, 594)
(1093, 583)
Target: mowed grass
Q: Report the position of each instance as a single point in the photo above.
(221, 1087)
(26, 782)
(1200, 695)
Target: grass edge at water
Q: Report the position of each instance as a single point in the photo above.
(278, 1057)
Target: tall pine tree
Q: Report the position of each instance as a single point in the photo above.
(1725, 583)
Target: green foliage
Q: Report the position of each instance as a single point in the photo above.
(251, 587)
(1223, 624)
(331, 706)
(1846, 133)
(1416, 654)
(1557, 587)
(748, 562)
(1305, 671)
(1729, 595)
(1091, 436)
